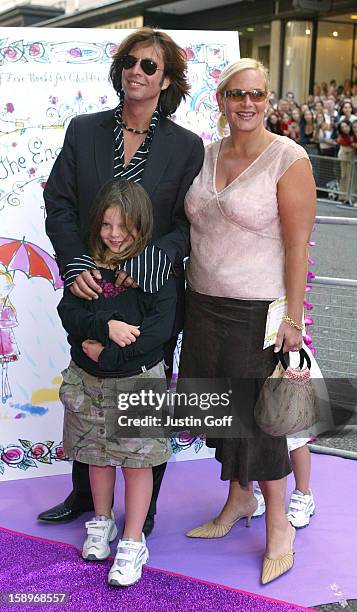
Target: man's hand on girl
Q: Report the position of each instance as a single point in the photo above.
(122, 333)
(92, 349)
(124, 279)
(85, 285)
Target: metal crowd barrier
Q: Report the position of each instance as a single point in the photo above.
(336, 178)
(335, 318)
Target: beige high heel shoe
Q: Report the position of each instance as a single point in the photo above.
(213, 530)
(273, 568)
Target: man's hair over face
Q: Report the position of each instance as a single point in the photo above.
(175, 66)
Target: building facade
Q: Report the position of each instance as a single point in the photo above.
(303, 42)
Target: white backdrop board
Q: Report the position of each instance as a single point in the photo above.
(46, 78)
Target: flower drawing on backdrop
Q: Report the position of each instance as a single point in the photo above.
(37, 52)
(28, 454)
(183, 440)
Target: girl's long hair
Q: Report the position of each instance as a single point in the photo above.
(339, 127)
(135, 207)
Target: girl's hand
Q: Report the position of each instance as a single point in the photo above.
(122, 333)
(123, 278)
(288, 336)
(92, 349)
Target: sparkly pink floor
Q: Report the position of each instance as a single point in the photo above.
(326, 551)
(36, 568)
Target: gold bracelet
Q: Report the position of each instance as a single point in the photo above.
(292, 323)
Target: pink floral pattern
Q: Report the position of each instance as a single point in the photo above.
(29, 454)
(26, 454)
(34, 49)
(184, 440)
(110, 290)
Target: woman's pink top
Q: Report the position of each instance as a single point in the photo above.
(237, 249)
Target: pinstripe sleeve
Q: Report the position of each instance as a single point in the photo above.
(76, 266)
(151, 269)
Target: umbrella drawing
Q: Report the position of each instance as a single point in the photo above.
(29, 258)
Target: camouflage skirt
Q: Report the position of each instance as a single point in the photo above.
(91, 433)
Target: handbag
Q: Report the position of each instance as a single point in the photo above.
(287, 402)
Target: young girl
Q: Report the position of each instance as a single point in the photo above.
(294, 124)
(354, 148)
(346, 112)
(354, 137)
(273, 124)
(116, 349)
(345, 155)
(307, 132)
(284, 124)
(301, 504)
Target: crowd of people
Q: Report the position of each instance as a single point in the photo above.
(326, 124)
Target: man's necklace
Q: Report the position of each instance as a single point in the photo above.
(133, 130)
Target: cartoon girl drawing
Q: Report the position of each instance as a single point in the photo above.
(9, 351)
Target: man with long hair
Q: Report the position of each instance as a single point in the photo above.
(138, 142)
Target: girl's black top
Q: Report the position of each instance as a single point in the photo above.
(88, 319)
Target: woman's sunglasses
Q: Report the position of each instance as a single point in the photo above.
(147, 65)
(239, 94)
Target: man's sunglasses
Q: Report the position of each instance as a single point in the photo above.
(147, 65)
(239, 94)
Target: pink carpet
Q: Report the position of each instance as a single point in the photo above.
(326, 551)
(34, 568)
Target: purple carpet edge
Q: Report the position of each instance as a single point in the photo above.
(228, 588)
(276, 604)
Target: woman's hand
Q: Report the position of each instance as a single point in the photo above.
(122, 333)
(92, 349)
(288, 336)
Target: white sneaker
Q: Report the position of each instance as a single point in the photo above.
(99, 534)
(128, 562)
(301, 507)
(260, 499)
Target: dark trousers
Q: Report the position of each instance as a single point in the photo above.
(81, 495)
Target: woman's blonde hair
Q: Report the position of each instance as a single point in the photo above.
(245, 63)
